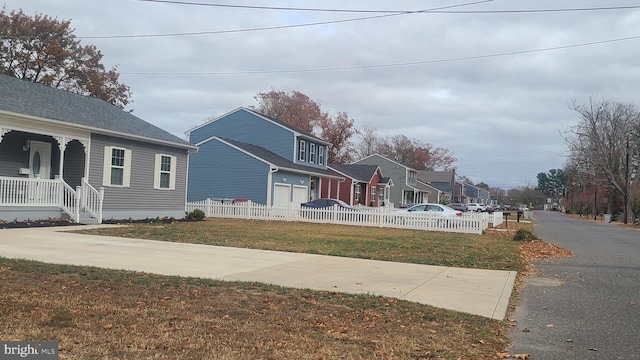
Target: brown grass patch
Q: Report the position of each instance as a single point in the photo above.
(105, 314)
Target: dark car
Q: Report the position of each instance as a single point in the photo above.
(327, 203)
(459, 207)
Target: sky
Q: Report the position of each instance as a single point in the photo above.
(491, 81)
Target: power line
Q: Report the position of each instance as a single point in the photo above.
(254, 7)
(215, 32)
(377, 66)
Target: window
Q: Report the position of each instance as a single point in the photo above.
(373, 193)
(412, 177)
(356, 189)
(320, 155)
(312, 153)
(116, 167)
(302, 150)
(165, 172)
(381, 194)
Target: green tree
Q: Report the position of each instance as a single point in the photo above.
(552, 184)
(44, 50)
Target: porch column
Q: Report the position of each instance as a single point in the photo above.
(62, 145)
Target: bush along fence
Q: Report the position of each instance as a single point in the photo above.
(471, 223)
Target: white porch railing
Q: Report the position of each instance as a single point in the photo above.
(473, 223)
(91, 199)
(29, 192)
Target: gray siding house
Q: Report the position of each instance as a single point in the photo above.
(445, 182)
(68, 155)
(406, 187)
(246, 155)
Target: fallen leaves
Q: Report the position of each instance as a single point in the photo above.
(514, 356)
(538, 250)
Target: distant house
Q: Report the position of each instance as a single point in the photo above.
(68, 155)
(246, 155)
(361, 184)
(434, 195)
(445, 182)
(475, 194)
(406, 189)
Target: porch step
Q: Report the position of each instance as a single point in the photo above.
(87, 219)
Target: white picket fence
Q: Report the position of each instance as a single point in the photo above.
(472, 223)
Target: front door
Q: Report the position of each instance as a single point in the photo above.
(39, 160)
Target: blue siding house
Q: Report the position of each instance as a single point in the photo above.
(246, 155)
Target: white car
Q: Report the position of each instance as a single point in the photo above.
(476, 207)
(439, 209)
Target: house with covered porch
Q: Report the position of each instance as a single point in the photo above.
(360, 185)
(69, 155)
(406, 189)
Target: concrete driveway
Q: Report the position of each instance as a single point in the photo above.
(480, 292)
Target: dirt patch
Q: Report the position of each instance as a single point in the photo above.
(36, 223)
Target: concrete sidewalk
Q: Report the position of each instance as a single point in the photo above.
(480, 292)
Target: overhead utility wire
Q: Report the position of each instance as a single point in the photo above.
(279, 27)
(253, 72)
(255, 7)
(387, 14)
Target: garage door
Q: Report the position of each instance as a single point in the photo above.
(281, 194)
(300, 194)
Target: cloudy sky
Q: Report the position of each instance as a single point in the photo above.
(491, 81)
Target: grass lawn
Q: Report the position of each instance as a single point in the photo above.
(107, 314)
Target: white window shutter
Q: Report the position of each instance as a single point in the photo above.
(126, 181)
(106, 167)
(172, 177)
(156, 172)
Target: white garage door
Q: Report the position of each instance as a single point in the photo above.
(300, 194)
(281, 194)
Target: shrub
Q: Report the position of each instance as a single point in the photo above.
(195, 215)
(524, 235)
(568, 211)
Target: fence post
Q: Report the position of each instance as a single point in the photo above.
(207, 207)
(76, 205)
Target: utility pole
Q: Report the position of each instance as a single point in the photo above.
(626, 183)
(595, 196)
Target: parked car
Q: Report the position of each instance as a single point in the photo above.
(489, 209)
(327, 203)
(346, 213)
(475, 207)
(439, 209)
(459, 207)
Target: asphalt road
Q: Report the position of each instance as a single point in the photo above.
(586, 306)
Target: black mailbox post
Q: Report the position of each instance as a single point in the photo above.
(506, 219)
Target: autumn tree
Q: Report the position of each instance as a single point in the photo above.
(301, 112)
(338, 131)
(44, 50)
(293, 108)
(603, 141)
(409, 152)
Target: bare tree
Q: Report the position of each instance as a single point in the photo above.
(602, 141)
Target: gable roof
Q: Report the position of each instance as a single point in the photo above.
(442, 186)
(273, 159)
(436, 176)
(385, 159)
(362, 173)
(275, 121)
(22, 97)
